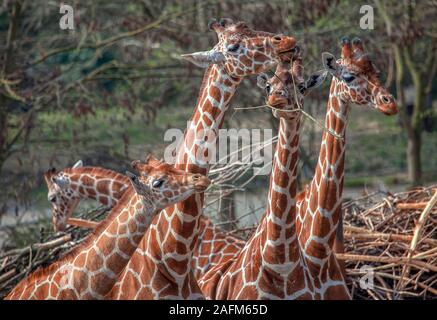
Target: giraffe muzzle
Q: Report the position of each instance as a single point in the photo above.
(387, 104)
(279, 104)
(201, 182)
(283, 44)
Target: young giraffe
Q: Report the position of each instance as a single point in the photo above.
(162, 265)
(355, 80)
(91, 269)
(67, 187)
(269, 266)
(71, 185)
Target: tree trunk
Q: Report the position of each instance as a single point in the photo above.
(8, 67)
(413, 157)
(3, 132)
(415, 133)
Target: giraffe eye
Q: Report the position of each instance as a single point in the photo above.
(52, 198)
(233, 47)
(157, 183)
(348, 77)
(268, 88)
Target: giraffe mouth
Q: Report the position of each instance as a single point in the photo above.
(286, 55)
(280, 104)
(388, 109)
(286, 51)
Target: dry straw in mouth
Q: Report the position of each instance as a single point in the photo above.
(306, 114)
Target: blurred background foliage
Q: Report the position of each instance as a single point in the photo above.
(106, 91)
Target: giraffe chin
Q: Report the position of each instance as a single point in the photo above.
(389, 109)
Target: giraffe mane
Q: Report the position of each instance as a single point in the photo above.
(242, 28)
(204, 83)
(98, 172)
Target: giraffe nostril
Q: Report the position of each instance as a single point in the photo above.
(385, 99)
(277, 38)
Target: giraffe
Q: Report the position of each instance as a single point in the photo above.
(269, 265)
(214, 246)
(71, 185)
(91, 269)
(355, 80)
(67, 187)
(161, 268)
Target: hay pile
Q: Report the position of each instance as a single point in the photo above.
(394, 236)
(391, 238)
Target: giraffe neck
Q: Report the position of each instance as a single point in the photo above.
(178, 227)
(216, 91)
(281, 210)
(325, 193)
(102, 185)
(112, 246)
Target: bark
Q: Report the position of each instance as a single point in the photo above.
(414, 146)
(415, 130)
(8, 67)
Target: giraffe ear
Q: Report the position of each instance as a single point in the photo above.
(330, 64)
(60, 181)
(134, 164)
(131, 176)
(78, 164)
(315, 80)
(204, 58)
(135, 182)
(261, 80)
(48, 175)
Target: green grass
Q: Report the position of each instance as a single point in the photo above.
(107, 127)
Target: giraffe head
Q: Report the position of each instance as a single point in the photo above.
(163, 184)
(358, 78)
(287, 88)
(242, 51)
(62, 197)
